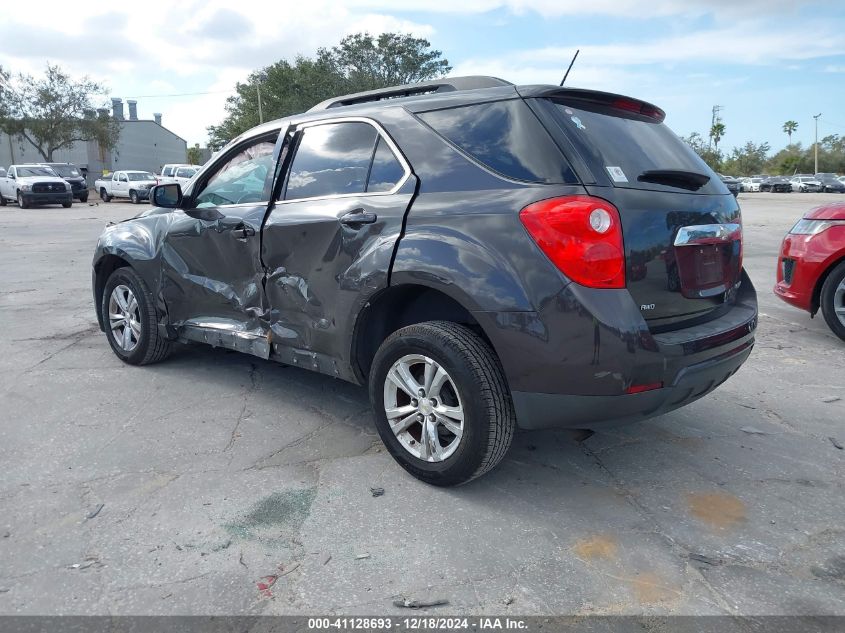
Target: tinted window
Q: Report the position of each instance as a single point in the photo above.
(331, 159)
(507, 137)
(386, 171)
(622, 147)
(167, 171)
(185, 172)
(66, 171)
(241, 179)
(25, 172)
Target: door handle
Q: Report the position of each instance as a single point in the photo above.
(243, 231)
(358, 217)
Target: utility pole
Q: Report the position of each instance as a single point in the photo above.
(716, 109)
(260, 113)
(816, 144)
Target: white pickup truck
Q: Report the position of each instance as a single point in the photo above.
(31, 185)
(126, 183)
(178, 173)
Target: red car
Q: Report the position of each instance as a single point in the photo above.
(811, 270)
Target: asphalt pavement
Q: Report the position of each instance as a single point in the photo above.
(219, 483)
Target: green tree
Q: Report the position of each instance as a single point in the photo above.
(712, 157)
(790, 127)
(55, 111)
(360, 62)
(748, 159)
(194, 154)
(716, 133)
(370, 62)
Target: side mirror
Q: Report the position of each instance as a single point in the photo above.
(168, 195)
(12, 176)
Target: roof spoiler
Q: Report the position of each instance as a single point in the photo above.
(596, 97)
(447, 84)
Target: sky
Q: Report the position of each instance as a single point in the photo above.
(763, 61)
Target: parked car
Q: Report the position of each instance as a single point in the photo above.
(776, 184)
(74, 177)
(830, 184)
(805, 184)
(443, 248)
(170, 170)
(811, 269)
(126, 183)
(31, 185)
(181, 174)
(751, 184)
(733, 184)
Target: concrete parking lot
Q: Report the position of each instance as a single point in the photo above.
(218, 483)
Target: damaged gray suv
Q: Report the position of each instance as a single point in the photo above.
(482, 256)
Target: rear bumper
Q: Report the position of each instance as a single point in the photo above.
(543, 410)
(576, 362)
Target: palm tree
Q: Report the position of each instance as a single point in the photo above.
(789, 127)
(716, 133)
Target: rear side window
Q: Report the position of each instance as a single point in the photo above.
(332, 159)
(386, 171)
(506, 137)
(167, 171)
(622, 146)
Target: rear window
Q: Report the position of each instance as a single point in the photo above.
(506, 137)
(623, 146)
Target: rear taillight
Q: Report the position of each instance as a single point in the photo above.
(582, 235)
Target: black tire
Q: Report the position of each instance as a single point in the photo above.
(829, 301)
(489, 418)
(21, 202)
(133, 197)
(2, 200)
(104, 196)
(83, 198)
(151, 346)
(67, 205)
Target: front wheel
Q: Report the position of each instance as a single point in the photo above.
(83, 198)
(441, 403)
(104, 196)
(131, 319)
(133, 197)
(832, 298)
(67, 205)
(21, 202)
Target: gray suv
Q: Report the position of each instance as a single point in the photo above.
(482, 256)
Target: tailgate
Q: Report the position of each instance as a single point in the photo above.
(683, 251)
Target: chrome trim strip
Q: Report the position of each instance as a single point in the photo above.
(707, 233)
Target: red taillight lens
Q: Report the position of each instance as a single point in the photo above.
(582, 235)
(651, 386)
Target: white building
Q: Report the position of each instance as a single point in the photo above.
(143, 144)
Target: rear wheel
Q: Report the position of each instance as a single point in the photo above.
(442, 406)
(832, 300)
(67, 205)
(131, 319)
(2, 200)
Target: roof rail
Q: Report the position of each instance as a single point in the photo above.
(447, 84)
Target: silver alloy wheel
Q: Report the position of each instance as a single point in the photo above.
(124, 318)
(423, 408)
(839, 301)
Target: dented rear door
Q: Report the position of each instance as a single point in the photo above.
(328, 242)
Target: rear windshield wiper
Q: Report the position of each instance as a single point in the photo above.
(679, 178)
